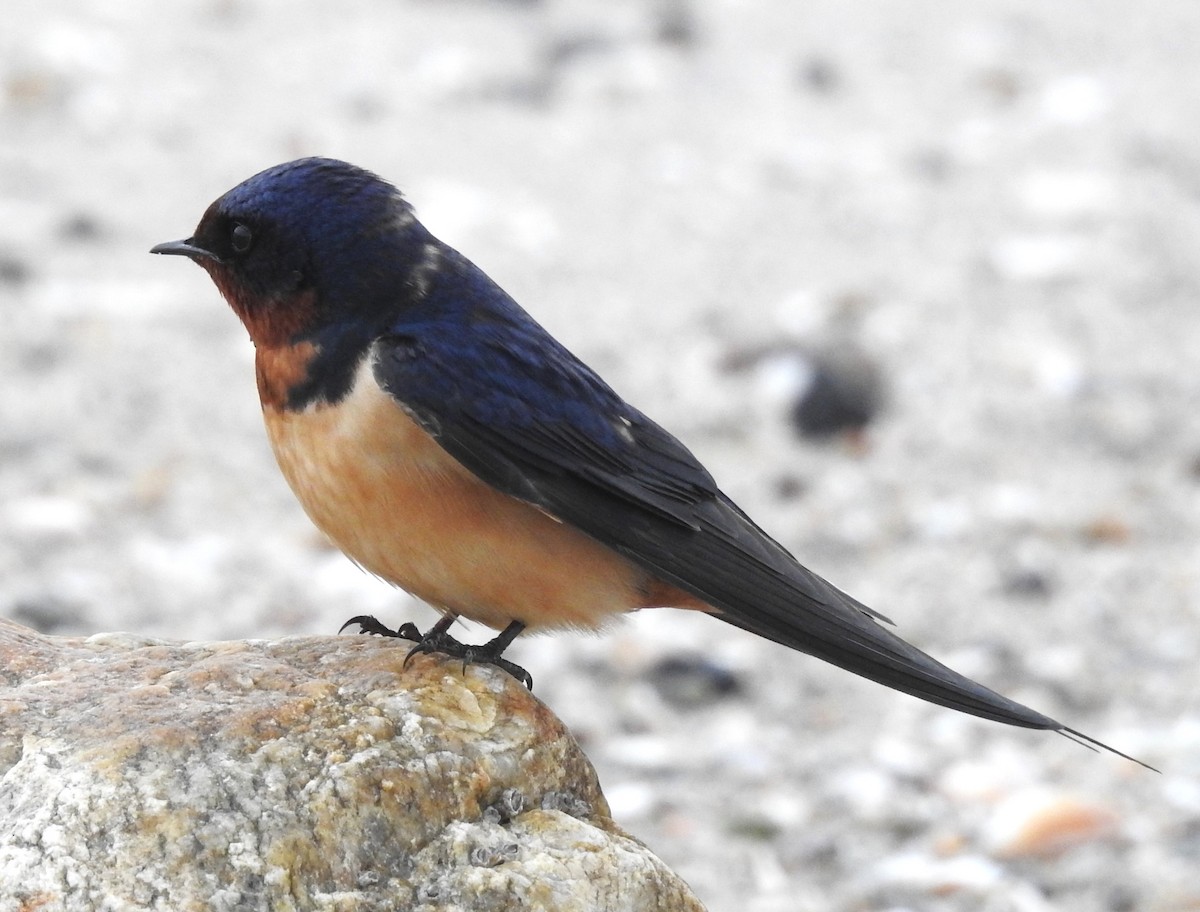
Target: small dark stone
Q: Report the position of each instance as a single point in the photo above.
(833, 391)
(840, 397)
(691, 681)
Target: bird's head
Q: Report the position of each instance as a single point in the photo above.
(305, 244)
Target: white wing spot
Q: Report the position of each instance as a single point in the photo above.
(624, 426)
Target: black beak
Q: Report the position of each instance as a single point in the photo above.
(185, 248)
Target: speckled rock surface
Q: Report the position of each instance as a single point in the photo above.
(295, 774)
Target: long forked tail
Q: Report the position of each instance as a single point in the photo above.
(883, 657)
(840, 630)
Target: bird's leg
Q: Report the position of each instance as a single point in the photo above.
(436, 639)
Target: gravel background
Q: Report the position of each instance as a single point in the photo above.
(996, 205)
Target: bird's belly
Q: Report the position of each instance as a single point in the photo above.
(402, 508)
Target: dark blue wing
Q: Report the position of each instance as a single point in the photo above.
(528, 418)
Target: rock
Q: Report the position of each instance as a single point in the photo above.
(295, 774)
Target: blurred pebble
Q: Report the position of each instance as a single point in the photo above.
(1075, 99)
(676, 25)
(565, 49)
(824, 393)
(1128, 427)
(1003, 85)
(867, 789)
(1066, 194)
(630, 799)
(840, 396)
(780, 374)
(900, 757)
(949, 844)
(1058, 372)
(756, 829)
(692, 681)
(1182, 792)
(940, 875)
(1040, 824)
(819, 74)
(80, 227)
(789, 487)
(48, 516)
(1107, 530)
(643, 752)
(13, 271)
(150, 487)
(31, 88)
(942, 519)
(975, 781)
(932, 164)
(40, 357)
(1027, 584)
(1042, 257)
(47, 614)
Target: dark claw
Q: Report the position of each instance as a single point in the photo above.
(368, 624)
(483, 655)
(437, 640)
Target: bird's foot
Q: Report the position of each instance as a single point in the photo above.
(437, 640)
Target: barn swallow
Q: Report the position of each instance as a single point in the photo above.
(450, 446)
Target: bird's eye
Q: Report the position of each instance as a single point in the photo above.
(241, 238)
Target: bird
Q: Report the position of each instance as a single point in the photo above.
(449, 445)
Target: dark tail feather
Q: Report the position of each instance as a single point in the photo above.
(871, 651)
(1093, 745)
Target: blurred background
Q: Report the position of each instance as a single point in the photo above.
(918, 281)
